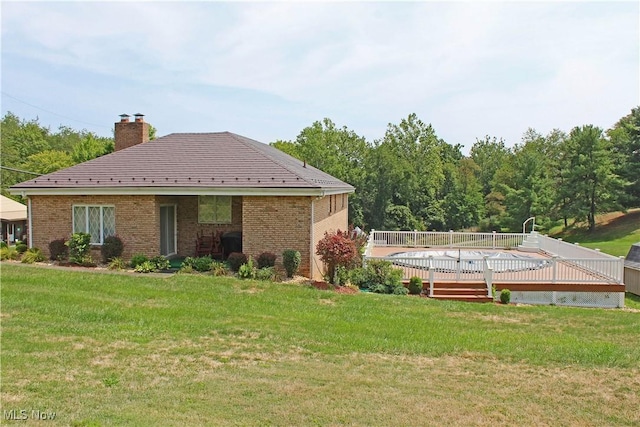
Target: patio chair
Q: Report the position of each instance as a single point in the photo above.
(204, 244)
(209, 245)
(217, 250)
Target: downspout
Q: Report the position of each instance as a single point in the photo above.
(29, 232)
(312, 263)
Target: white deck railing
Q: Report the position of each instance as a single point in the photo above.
(451, 239)
(570, 250)
(570, 263)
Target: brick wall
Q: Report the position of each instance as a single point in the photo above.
(273, 224)
(137, 221)
(187, 220)
(267, 223)
(330, 214)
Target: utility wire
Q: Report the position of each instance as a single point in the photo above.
(19, 170)
(51, 112)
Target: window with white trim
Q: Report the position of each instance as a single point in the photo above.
(214, 209)
(98, 221)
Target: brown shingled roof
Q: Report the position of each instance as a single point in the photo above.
(195, 161)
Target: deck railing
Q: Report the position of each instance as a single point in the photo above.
(451, 239)
(570, 263)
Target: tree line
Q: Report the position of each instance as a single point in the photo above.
(30, 147)
(411, 179)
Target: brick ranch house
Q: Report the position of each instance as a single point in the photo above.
(157, 196)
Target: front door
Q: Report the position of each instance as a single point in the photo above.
(167, 230)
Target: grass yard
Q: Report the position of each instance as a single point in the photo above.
(123, 350)
(614, 234)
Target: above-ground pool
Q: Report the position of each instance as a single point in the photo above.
(469, 261)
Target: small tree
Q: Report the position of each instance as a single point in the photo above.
(337, 249)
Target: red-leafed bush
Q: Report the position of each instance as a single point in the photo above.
(337, 250)
(235, 260)
(266, 259)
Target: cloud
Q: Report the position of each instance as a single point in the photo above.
(469, 68)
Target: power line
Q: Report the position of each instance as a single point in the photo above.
(19, 170)
(51, 112)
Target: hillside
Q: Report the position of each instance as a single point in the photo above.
(614, 234)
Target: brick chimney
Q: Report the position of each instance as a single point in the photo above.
(129, 133)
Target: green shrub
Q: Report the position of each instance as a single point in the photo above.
(138, 259)
(145, 267)
(79, 246)
(58, 250)
(235, 260)
(357, 277)
(378, 276)
(200, 264)
(400, 290)
(111, 248)
(3, 244)
(266, 274)
(291, 260)
(219, 268)
(21, 247)
(160, 262)
(415, 285)
(341, 276)
(505, 296)
(266, 259)
(247, 270)
(32, 255)
(117, 264)
(8, 253)
(186, 269)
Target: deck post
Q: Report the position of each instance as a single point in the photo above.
(493, 246)
(554, 264)
(488, 276)
(431, 276)
(450, 239)
(621, 275)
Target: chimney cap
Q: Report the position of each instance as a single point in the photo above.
(124, 117)
(139, 117)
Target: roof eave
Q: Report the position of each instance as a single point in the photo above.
(182, 191)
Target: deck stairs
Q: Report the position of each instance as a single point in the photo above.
(531, 243)
(460, 291)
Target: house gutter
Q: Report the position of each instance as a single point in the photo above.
(172, 191)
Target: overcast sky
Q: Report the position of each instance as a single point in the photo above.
(267, 70)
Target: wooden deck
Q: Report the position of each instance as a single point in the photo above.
(568, 277)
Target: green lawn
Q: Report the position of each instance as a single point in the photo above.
(110, 349)
(614, 233)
